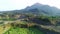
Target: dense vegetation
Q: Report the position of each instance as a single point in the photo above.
(22, 23)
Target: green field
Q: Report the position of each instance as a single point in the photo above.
(24, 31)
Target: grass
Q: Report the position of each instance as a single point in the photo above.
(10, 19)
(35, 31)
(3, 30)
(24, 31)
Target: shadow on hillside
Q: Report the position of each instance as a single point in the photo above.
(45, 31)
(40, 21)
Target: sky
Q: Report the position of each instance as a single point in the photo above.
(6, 5)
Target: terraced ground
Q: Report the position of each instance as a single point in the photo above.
(24, 31)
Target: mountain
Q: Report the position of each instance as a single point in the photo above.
(46, 9)
(38, 9)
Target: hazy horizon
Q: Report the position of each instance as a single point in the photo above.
(6, 5)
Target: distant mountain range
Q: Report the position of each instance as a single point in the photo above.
(38, 8)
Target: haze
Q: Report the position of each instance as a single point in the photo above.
(20, 4)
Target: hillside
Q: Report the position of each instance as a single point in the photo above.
(38, 18)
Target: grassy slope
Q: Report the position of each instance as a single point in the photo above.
(24, 31)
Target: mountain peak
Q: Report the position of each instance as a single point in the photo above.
(37, 4)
